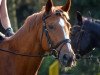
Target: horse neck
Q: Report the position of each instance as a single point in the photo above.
(26, 40)
(94, 29)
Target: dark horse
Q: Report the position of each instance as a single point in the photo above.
(45, 31)
(85, 35)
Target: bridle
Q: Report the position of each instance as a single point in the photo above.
(79, 36)
(52, 47)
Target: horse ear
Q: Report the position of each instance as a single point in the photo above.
(49, 5)
(79, 18)
(67, 6)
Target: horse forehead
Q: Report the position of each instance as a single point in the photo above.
(61, 22)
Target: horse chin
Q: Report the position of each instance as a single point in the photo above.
(72, 64)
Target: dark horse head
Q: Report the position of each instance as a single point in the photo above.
(85, 35)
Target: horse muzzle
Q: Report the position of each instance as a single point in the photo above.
(68, 60)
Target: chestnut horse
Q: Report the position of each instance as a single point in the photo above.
(45, 31)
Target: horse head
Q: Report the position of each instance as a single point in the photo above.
(83, 35)
(54, 32)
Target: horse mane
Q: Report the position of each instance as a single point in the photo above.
(33, 19)
(30, 22)
(91, 19)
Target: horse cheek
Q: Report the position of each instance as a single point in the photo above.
(45, 44)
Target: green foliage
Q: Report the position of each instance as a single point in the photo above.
(87, 66)
(44, 69)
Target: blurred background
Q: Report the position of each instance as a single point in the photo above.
(19, 10)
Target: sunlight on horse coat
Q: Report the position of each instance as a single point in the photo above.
(31, 40)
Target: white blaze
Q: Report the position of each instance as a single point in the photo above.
(62, 23)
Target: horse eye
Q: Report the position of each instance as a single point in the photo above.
(51, 27)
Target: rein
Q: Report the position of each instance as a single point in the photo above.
(22, 54)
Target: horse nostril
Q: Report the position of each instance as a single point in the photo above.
(66, 60)
(65, 57)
